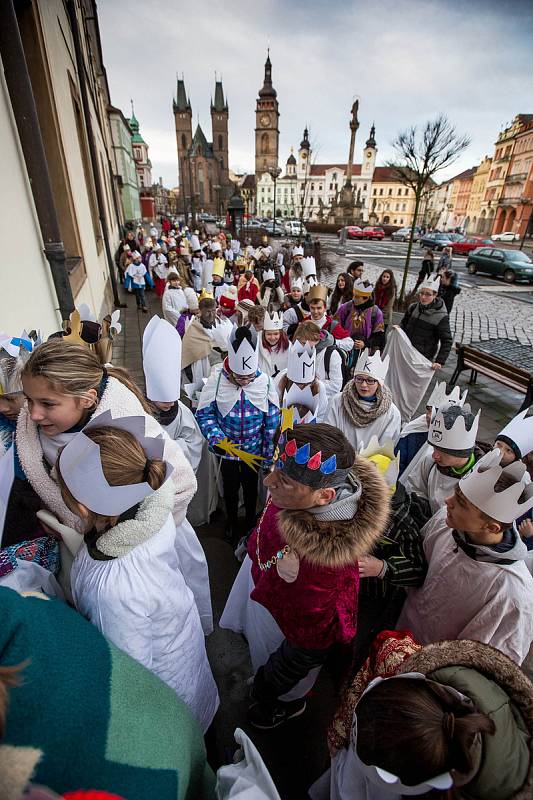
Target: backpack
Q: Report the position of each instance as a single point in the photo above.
(345, 369)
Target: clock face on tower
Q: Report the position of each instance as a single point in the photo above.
(264, 120)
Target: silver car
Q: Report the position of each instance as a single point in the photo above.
(403, 235)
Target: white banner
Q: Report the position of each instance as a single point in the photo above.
(409, 373)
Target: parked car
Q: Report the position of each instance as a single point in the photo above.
(511, 264)
(436, 241)
(404, 234)
(295, 228)
(372, 232)
(279, 230)
(506, 236)
(465, 245)
(352, 232)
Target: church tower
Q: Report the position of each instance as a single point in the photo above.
(183, 121)
(369, 155)
(304, 154)
(266, 125)
(219, 126)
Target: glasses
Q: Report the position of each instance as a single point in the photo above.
(369, 381)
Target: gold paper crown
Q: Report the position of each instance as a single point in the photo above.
(218, 267)
(205, 295)
(317, 292)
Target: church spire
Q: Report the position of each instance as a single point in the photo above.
(305, 144)
(268, 90)
(371, 141)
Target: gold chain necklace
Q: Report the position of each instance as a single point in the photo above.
(263, 566)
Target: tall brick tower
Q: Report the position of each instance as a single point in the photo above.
(266, 125)
(183, 120)
(219, 126)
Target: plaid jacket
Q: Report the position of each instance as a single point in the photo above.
(245, 425)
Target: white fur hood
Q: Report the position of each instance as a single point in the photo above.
(122, 402)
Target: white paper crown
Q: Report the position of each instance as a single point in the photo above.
(505, 506)
(458, 437)
(308, 266)
(296, 283)
(268, 275)
(297, 250)
(195, 243)
(372, 365)
(520, 431)
(235, 245)
(438, 396)
(216, 247)
(386, 449)
(273, 322)
(279, 259)
(386, 781)
(301, 364)
(81, 467)
(301, 397)
(431, 282)
(162, 361)
(245, 359)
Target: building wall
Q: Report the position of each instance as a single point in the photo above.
(28, 296)
(393, 203)
(479, 185)
(125, 166)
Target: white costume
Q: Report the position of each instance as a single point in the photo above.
(322, 407)
(271, 362)
(332, 380)
(387, 426)
(174, 303)
(139, 600)
(470, 598)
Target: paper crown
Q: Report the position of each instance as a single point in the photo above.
(519, 431)
(268, 275)
(205, 295)
(439, 396)
(228, 298)
(363, 288)
(195, 243)
(508, 505)
(432, 282)
(81, 467)
(373, 366)
(216, 247)
(457, 437)
(273, 322)
(279, 259)
(301, 363)
(242, 263)
(308, 266)
(302, 456)
(383, 456)
(243, 353)
(384, 782)
(235, 245)
(294, 396)
(297, 251)
(162, 361)
(14, 353)
(317, 292)
(296, 283)
(85, 330)
(218, 267)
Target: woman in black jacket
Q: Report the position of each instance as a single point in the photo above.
(427, 324)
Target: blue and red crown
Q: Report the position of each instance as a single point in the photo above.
(302, 456)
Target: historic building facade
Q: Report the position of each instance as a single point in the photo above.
(124, 164)
(475, 222)
(203, 166)
(461, 191)
(515, 205)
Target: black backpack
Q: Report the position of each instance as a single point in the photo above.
(345, 369)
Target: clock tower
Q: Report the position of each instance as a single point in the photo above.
(266, 125)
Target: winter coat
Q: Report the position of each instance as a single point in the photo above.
(428, 329)
(483, 595)
(413, 436)
(122, 403)
(129, 584)
(364, 322)
(174, 303)
(386, 426)
(332, 378)
(319, 607)
(140, 740)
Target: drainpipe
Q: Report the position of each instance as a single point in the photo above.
(80, 65)
(29, 131)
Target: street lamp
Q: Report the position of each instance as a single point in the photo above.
(275, 172)
(217, 187)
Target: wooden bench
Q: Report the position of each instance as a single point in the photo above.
(501, 360)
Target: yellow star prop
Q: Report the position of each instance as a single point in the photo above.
(287, 419)
(249, 458)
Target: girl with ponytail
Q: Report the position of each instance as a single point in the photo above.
(126, 577)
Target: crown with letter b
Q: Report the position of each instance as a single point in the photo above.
(479, 488)
(455, 436)
(301, 364)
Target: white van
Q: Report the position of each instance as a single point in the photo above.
(294, 227)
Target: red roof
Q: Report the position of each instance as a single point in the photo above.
(468, 173)
(321, 169)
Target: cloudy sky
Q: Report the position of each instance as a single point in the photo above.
(406, 61)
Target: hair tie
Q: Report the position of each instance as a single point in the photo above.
(146, 470)
(448, 724)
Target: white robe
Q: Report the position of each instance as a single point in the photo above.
(463, 598)
(387, 426)
(272, 362)
(141, 603)
(425, 480)
(174, 303)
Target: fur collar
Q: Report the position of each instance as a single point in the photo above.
(118, 398)
(150, 518)
(340, 543)
(495, 666)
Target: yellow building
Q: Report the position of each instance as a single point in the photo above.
(391, 202)
(474, 223)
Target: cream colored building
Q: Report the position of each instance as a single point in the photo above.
(475, 224)
(392, 203)
(74, 129)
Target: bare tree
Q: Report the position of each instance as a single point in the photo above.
(419, 155)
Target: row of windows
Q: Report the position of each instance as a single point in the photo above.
(405, 192)
(387, 206)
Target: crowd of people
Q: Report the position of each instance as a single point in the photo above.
(389, 549)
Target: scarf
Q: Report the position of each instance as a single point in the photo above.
(358, 415)
(344, 504)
